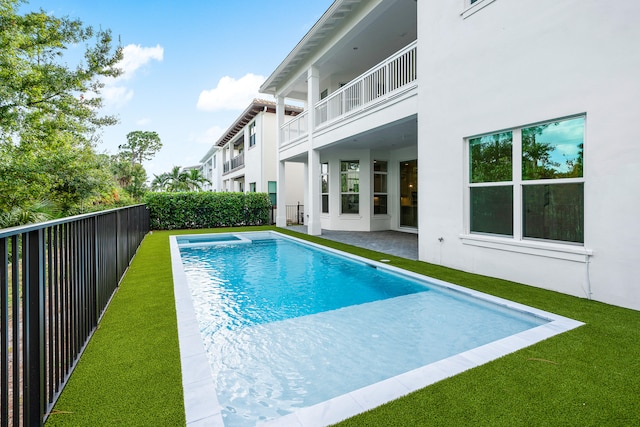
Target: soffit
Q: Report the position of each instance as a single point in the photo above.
(378, 33)
(328, 22)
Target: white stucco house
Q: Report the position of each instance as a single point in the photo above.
(244, 158)
(501, 132)
(211, 169)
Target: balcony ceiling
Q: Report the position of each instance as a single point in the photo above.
(400, 134)
(394, 136)
(387, 28)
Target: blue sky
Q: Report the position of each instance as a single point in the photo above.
(191, 66)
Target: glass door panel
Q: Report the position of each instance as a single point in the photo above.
(409, 193)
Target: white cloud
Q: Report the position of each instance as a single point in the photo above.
(116, 96)
(143, 121)
(136, 56)
(210, 136)
(115, 93)
(231, 94)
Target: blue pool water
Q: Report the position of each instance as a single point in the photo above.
(286, 325)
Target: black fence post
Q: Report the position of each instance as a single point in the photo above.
(33, 299)
(4, 331)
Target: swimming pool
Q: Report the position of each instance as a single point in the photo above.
(283, 347)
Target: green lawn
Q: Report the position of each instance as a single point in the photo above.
(590, 376)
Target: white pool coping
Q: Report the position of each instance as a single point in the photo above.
(201, 403)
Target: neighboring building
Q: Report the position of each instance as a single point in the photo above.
(211, 169)
(244, 158)
(501, 132)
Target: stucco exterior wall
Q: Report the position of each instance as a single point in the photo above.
(516, 63)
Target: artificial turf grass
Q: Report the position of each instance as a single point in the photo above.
(587, 376)
(130, 371)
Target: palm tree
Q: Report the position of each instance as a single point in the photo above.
(177, 180)
(35, 212)
(195, 180)
(160, 182)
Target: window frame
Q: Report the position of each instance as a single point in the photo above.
(384, 193)
(344, 174)
(324, 174)
(252, 134)
(518, 183)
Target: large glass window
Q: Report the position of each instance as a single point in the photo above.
(350, 186)
(553, 212)
(492, 209)
(491, 162)
(545, 183)
(324, 189)
(553, 188)
(379, 187)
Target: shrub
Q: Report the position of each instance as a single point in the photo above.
(170, 211)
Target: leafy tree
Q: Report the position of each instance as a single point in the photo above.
(38, 211)
(49, 110)
(36, 83)
(138, 184)
(141, 145)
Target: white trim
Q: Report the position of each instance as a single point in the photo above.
(529, 247)
(516, 176)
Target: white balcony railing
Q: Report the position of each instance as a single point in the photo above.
(295, 128)
(396, 72)
(233, 164)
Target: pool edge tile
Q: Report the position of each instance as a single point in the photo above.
(200, 399)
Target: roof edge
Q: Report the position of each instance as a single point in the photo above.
(267, 86)
(256, 106)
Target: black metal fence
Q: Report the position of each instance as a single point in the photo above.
(295, 214)
(56, 280)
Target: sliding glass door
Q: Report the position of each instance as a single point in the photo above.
(409, 193)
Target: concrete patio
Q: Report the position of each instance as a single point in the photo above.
(390, 242)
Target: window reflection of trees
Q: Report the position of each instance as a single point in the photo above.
(551, 184)
(541, 160)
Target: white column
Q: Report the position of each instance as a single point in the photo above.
(281, 213)
(313, 177)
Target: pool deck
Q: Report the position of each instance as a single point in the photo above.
(398, 243)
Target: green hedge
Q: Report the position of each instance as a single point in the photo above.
(170, 211)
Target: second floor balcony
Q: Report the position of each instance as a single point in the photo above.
(376, 86)
(233, 164)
